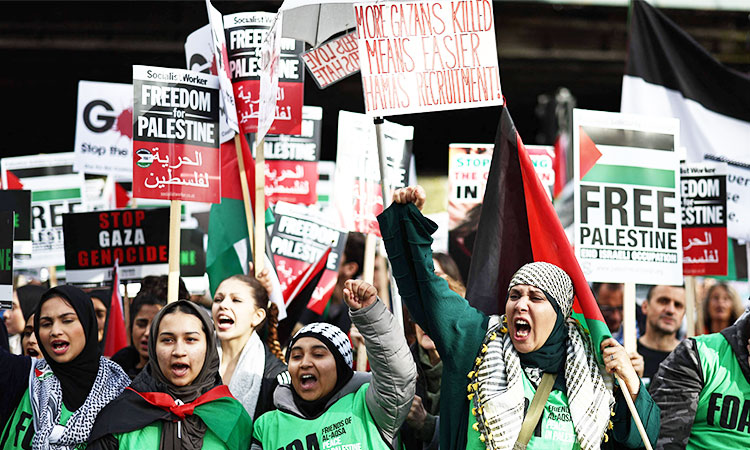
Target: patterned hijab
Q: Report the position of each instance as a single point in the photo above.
(497, 383)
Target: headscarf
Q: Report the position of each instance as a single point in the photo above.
(76, 376)
(28, 298)
(192, 428)
(341, 348)
(497, 375)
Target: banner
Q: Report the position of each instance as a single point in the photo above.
(299, 238)
(55, 190)
(104, 129)
(292, 161)
(543, 156)
(19, 201)
(245, 34)
(334, 60)
(219, 50)
(429, 55)
(176, 135)
(137, 238)
(627, 199)
(704, 218)
(6, 259)
(357, 194)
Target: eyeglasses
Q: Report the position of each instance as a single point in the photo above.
(610, 309)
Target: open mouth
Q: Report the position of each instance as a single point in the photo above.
(32, 352)
(522, 328)
(59, 347)
(144, 345)
(307, 381)
(180, 369)
(224, 322)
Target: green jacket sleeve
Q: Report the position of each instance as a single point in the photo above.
(456, 328)
(625, 432)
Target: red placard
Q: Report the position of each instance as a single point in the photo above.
(704, 251)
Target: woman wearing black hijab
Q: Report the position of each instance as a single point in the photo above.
(55, 401)
(177, 401)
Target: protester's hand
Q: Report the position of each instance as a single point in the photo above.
(356, 337)
(264, 277)
(637, 361)
(358, 294)
(617, 361)
(411, 194)
(417, 414)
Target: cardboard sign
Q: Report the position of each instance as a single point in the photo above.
(627, 199)
(334, 60)
(429, 55)
(199, 57)
(542, 157)
(357, 194)
(245, 35)
(299, 239)
(219, 49)
(738, 192)
(104, 129)
(292, 161)
(270, 56)
(176, 135)
(704, 218)
(137, 238)
(55, 190)
(6, 259)
(19, 201)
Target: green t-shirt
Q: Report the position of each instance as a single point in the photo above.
(19, 431)
(553, 431)
(346, 425)
(722, 418)
(149, 437)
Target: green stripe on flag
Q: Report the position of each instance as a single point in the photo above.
(606, 173)
(597, 329)
(60, 194)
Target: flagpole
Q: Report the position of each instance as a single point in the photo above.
(174, 251)
(634, 412)
(245, 190)
(690, 304)
(260, 206)
(628, 319)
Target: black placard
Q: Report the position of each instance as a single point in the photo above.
(6, 259)
(20, 202)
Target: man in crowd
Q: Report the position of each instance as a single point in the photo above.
(664, 309)
(610, 297)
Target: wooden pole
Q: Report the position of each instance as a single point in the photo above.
(260, 208)
(628, 319)
(633, 411)
(52, 276)
(126, 309)
(174, 251)
(368, 275)
(245, 189)
(690, 305)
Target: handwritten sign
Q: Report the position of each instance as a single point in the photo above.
(357, 194)
(219, 48)
(6, 259)
(430, 55)
(292, 161)
(627, 198)
(334, 60)
(245, 34)
(137, 238)
(176, 135)
(104, 131)
(704, 218)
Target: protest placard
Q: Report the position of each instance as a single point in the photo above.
(104, 129)
(137, 238)
(292, 161)
(19, 201)
(357, 194)
(324, 188)
(738, 195)
(55, 190)
(192, 253)
(299, 238)
(245, 35)
(176, 135)
(427, 55)
(627, 199)
(270, 62)
(6, 259)
(542, 156)
(703, 189)
(334, 60)
(221, 59)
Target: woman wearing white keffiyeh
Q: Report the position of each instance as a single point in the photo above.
(56, 403)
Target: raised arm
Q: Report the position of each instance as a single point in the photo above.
(394, 374)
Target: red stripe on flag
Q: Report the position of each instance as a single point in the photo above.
(13, 181)
(116, 337)
(230, 174)
(589, 153)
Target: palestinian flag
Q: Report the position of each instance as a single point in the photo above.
(669, 74)
(518, 225)
(116, 337)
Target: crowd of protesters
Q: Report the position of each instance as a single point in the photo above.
(193, 377)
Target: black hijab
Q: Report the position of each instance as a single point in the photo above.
(28, 298)
(76, 376)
